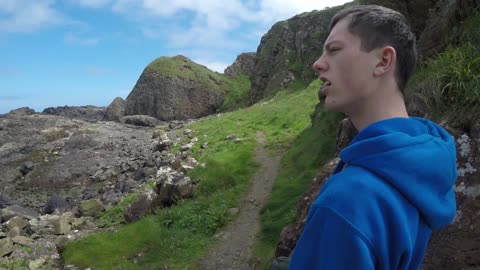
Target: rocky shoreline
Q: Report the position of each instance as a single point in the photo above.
(58, 173)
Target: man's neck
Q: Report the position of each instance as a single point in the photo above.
(379, 107)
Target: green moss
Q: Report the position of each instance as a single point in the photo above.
(114, 216)
(182, 67)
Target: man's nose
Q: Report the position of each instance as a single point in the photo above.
(320, 65)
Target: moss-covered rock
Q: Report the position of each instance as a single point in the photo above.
(175, 88)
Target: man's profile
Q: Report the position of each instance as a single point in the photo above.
(393, 185)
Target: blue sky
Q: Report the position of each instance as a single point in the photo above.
(87, 52)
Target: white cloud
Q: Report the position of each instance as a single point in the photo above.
(28, 15)
(213, 65)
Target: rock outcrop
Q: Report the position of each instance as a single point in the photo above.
(243, 65)
(176, 88)
(287, 52)
(86, 113)
(115, 110)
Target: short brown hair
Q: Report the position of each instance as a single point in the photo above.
(378, 26)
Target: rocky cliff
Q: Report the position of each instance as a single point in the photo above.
(176, 88)
(287, 52)
(243, 65)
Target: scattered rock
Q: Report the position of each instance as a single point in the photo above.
(6, 246)
(140, 207)
(16, 222)
(15, 210)
(55, 203)
(64, 223)
(90, 207)
(36, 264)
(23, 241)
(27, 167)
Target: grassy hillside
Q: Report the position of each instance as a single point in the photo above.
(176, 237)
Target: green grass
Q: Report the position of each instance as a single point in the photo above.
(303, 161)
(114, 216)
(449, 83)
(238, 93)
(177, 237)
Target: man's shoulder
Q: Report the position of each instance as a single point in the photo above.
(362, 198)
(354, 185)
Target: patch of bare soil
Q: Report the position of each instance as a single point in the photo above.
(234, 248)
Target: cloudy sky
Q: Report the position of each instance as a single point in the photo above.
(87, 52)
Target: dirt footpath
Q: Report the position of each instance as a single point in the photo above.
(234, 248)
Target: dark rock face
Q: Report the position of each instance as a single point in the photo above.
(244, 64)
(115, 110)
(87, 113)
(287, 52)
(415, 11)
(443, 17)
(176, 90)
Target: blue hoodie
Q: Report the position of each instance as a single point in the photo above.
(393, 186)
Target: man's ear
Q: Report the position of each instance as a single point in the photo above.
(387, 57)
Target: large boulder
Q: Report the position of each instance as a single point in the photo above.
(115, 110)
(140, 120)
(176, 88)
(243, 65)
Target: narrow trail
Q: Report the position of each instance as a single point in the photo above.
(234, 248)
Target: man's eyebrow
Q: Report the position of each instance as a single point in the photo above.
(327, 46)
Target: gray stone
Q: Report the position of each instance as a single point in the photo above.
(26, 167)
(36, 264)
(233, 211)
(16, 222)
(15, 231)
(23, 241)
(6, 246)
(15, 210)
(64, 223)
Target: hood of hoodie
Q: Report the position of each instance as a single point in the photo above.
(415, 156)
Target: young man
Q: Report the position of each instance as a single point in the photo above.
(394, 183)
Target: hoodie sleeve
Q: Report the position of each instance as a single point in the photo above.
(331, 242)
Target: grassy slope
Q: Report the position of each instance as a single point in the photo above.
(449, 83)
(177, 236)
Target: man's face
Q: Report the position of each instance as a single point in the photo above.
(346, 70)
